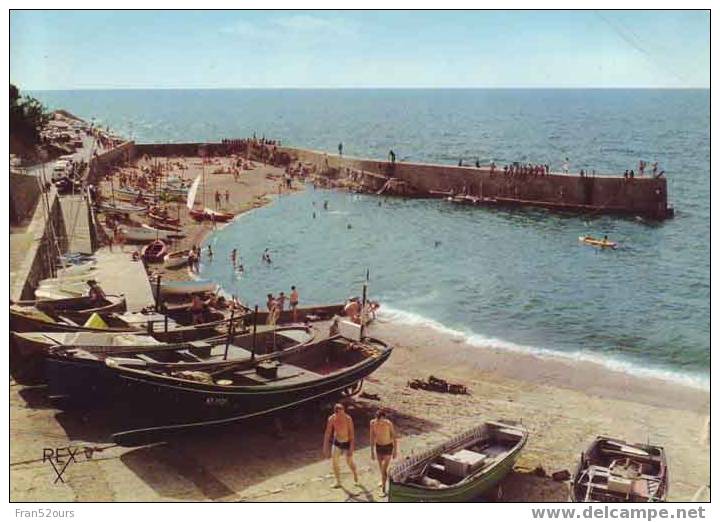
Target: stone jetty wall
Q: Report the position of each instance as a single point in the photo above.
(604, 194)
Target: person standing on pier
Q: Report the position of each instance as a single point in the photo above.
(392, 156)
(341, 429)
(566, 165)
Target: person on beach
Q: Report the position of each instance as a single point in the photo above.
(197, 309)
(340, 148)
(352, 309)
(341, 429)
(271, 307)
(192, 260)
(227, 196)
(383, 444)
(280, 302)
(294, 301)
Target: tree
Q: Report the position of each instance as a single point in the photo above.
(27, 117)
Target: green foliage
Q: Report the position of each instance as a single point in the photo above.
(27, 117)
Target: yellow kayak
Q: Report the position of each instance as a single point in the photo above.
(600, 243)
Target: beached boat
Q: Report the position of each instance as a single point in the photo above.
(175, 260)
(76, 309)
(600, 243)
(305, 313)
(121, 209)
(154, 252)
(170, 231)
(163, 218)
(178, 400)
(183, 288)
(83, 268)
(142, 234)
(208, 214)
(461, 469)
(29, 349)
(612, 470)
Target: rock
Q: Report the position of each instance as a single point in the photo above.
(561, 476)
(539, 472)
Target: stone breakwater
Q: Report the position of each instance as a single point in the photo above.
(644, 196)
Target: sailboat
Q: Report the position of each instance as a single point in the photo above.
(206, 214)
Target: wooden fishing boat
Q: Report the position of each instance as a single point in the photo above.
(121, 209)
(177, 399)
(170, 231)
(306, 313)
(142, 234)
(76, 309)
(461, 469)
(177, 259)
(163, 218)
(155, 252)
(612, 470)
(29, 349)
(183, 288)
(600, 243)
(211, 215)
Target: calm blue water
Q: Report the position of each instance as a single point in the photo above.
(514, 279)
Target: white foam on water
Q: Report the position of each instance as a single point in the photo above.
(389, 314)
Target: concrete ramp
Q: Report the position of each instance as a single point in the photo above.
(77, 229)
(118, 274)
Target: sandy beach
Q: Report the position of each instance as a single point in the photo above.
(252, 189)
(563, 404)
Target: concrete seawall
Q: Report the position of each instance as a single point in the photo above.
(34, 249)
(645, 196)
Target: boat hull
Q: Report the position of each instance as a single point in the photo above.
(181, 405)
(463, 493)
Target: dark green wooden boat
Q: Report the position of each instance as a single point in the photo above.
(461, 469)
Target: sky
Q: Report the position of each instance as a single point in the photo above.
(358, 49)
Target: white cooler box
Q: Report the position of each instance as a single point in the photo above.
(463, 462)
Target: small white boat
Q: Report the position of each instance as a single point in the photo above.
(143, 234)
(77, 270)
(51, 293)
(177, 259)
(121, 209)
(169, 233)
(180, 288)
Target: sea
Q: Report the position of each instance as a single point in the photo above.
(508, 279)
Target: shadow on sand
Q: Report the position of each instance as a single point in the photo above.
(187, 466)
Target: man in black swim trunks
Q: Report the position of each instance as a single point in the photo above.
(383, 443)
(342, 430)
